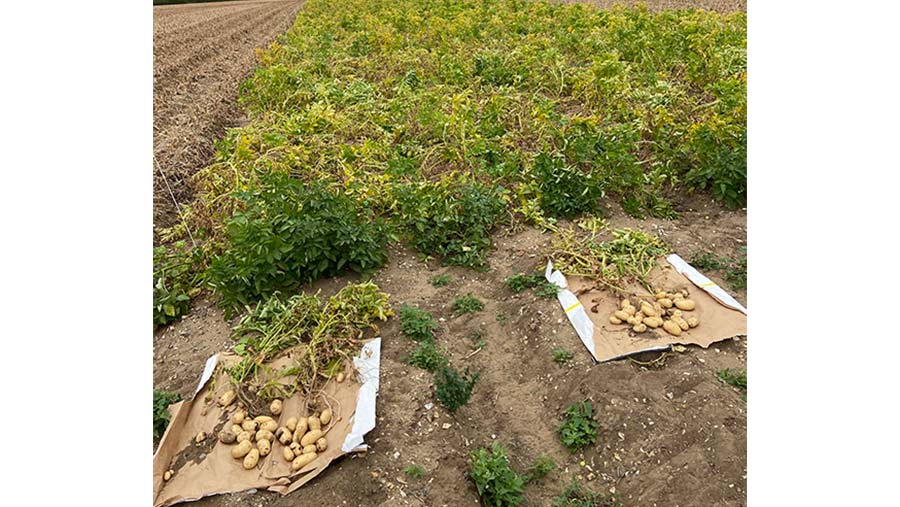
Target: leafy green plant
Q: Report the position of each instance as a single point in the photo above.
(427, 357)
(498, 485)
(501, 319)
(450, 219)
(292, 232)
(417, 324)
(566, 191)
(439, 280)
(467, 304)
(736, 378)
(161, 416)
(173, 282)
(578, 428)
(542, 466)
(561, 356)
(452, 389)
(575, 495)
(414, 471)
(520, 281)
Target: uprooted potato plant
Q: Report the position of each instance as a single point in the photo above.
(324, 338)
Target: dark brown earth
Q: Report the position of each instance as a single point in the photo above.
(671, 434)
(201, 53)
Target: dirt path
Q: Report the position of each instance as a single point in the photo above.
(201, 53)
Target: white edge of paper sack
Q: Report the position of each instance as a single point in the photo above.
(573, 308)
(698, 279)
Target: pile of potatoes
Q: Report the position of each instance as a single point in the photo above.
(666, 312)
(254, 437)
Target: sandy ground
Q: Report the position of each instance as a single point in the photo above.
(201, 53)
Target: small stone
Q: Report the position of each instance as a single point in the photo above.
(446, 426)
(429, 406)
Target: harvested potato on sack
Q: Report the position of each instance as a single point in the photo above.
(667, 312)
(253, 438)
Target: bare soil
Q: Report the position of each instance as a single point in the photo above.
(201, 53)
(671, 433)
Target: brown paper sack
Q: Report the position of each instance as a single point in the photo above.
(612, 341)
(207, 468)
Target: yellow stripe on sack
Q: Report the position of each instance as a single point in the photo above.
(576, 305)
(710, 284)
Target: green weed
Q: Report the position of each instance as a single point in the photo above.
(417, 324)
(735, 271)
(467, 304)
(542, 466)
(575, 495)
(542, 287)
(439, 280)
(579, 428)
(452, 389)
(736, 378)
(174, 281)
(427, 357)
(562, 356)
(414, 471)
(497, 484)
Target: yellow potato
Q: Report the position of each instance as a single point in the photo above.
(672, 328)
(288, 454)
(236, 429)
(262, 419)
(296, 447)
(632, 320)
(300, 431)
(227, 398)
(311, 448)
(167, 475)
(614, 320)
(648, 310)
(314, 423)
(238, 417)
(661, 294)
(283, 435)
(251, 459)
(619, 314)
(264, 447)
(626, 303)
(340, 377)
(241, 449)
(630, 310)
(666, 303)
(275, 407)
(681, 323)
(653, 322)
(291, 424)
(249, 425)
(227, 437)
(264, 435)
(243, 436)
(269, 426)
(200, 437)
(693, 322)
(321, 444)
(302, 460)
(685, 304)
(311, 437)
(325, 417)
(639, 328)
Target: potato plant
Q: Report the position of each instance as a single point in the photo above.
(446, 121)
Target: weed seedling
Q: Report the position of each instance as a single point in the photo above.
(466, 304)
(414, 471)
(498, 485)
(452, 389)
(439, 280)
(579, 428)
(418, 325)
(427, 357)
(576, 496)
(736, 378)
(501, 319)
(542, 466)
(561, 356)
